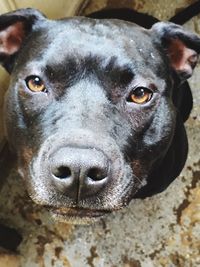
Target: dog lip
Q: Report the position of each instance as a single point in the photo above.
(78, 212)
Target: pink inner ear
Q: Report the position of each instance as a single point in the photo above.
(183, 59)
(11, 38)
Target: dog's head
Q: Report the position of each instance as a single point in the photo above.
(91, 111)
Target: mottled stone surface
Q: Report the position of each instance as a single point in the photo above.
(161, 9)
(162, 231)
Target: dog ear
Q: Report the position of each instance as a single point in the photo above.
(182, 47)
(14, 28)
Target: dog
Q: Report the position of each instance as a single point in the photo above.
(95, 109)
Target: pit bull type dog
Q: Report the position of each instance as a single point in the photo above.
(95, 109)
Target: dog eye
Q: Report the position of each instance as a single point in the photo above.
(35, 84)
(140, 95)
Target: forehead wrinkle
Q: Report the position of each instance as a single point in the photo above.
(75, 41)
(77, 38)
(63, 39)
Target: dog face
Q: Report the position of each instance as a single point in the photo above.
(90, 110)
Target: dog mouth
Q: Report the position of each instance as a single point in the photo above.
(77, 215)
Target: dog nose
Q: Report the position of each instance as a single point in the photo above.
(79, 173)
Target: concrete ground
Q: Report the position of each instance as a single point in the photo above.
(162, 231)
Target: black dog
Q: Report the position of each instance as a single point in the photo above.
(94, 109)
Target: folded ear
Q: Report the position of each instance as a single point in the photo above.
(181, 46)
(14, 28)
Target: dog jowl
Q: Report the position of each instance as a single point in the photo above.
(94, 111)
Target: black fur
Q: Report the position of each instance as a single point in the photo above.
(84, 116)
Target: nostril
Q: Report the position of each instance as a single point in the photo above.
(62, 172)
(97, 174)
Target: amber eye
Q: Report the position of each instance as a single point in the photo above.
(35, 84)
(140, 95)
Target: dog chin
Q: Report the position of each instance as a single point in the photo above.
(77, 216)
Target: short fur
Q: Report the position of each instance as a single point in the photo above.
(89, 67)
